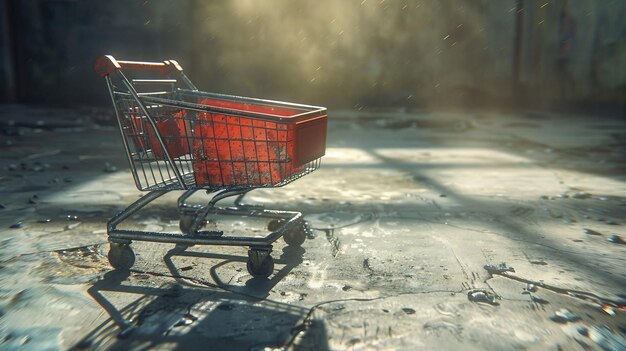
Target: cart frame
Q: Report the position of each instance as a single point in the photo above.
(287, 224)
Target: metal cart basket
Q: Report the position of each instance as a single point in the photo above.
(179, 138)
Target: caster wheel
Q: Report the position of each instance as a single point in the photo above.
(263, 270)
(296, 236)
(274, 224)
(121, 256)
(185, 224)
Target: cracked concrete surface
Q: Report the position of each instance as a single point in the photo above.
(411, 212)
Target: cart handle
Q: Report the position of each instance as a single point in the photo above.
(107, 64)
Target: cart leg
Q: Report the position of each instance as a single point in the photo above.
(121, 255)
(260, 263)
(186, 211)
(134, 207)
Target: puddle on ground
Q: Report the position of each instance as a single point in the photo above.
(82, 257)
(75, 266)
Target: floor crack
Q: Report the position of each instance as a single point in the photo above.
(583, 295)
(307, 320)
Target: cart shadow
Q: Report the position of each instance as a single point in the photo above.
(255, 287)
(184, 314)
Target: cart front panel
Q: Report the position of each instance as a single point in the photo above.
(230, 149)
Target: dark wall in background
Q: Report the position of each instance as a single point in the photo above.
(574, 51)
(57, 41)
(7, 81)
(338, 53)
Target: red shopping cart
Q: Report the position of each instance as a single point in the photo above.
(179, 138)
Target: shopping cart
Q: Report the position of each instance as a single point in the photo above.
(179, 138)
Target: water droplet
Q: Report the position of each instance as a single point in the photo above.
(72, 226)
(185, 320)
(616, 239)
(408, 310)
(16, 225)
(564, 316)
(581, 195)
(592, 232)
(226, 307)
(531, 287)
(482, 296)
(54, 181)
(109, 168)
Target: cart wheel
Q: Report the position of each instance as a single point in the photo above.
(263, 270)
(185, 224)
(121, 256)
(296, 236)
(274, 224)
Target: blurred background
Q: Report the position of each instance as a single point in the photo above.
(549, 54)
(472, 195)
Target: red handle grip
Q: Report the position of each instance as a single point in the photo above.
(107, 64)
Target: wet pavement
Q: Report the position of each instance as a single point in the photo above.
(430, 230)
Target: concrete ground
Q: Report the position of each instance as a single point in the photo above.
(431, 230)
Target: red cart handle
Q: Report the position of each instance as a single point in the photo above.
(107, 64)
